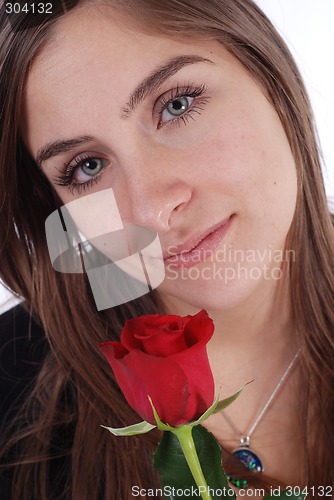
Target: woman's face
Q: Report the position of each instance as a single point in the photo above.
(186, 139)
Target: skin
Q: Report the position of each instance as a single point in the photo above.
(231, 158)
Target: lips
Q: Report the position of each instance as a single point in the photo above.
(198, 247)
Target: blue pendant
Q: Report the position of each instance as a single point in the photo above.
(250, 460)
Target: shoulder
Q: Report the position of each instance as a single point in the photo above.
(22, 350)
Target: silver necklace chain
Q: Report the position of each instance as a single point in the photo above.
(245, 438)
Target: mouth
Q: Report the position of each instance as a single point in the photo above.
(198, 247)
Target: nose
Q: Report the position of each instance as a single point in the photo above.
(157, 192)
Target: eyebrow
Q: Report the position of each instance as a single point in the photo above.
(60, 146)
(141, 92)
(157, 78)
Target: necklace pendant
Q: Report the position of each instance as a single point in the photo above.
(244, 454)
(248, 458)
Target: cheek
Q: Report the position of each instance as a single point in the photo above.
(249, 168)
(249, 160)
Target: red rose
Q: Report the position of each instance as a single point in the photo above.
(164, 357)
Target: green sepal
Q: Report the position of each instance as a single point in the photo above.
(174, 471)
(216, 407)
(161, 426)
(211, 410)
(221, 405)
(131, 430)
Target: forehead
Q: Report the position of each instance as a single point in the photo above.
(87, 41)
(92, 63)
(95, 52)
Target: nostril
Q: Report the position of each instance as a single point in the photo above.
(155, 204)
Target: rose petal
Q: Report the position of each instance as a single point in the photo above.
(113, 349)
(154, 337)
(140, 375)
(169, 323)
(196, 367)
(136, 327)
(199, 328)
(164, 343)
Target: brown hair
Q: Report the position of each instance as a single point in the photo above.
(75, 391)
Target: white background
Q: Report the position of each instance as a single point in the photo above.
(307, 26)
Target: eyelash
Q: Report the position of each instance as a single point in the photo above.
(196, 92)
(66, 177)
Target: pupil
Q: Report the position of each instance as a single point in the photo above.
(177, 105)
(91, 165)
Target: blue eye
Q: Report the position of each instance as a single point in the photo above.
(180, 104)
(177, 107)
(86, 170)
(91, 166)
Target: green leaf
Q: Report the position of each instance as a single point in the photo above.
(131, 430)
(174, 470)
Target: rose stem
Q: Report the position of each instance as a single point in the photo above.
(184, 435)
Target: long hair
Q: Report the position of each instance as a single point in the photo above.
(76, 390)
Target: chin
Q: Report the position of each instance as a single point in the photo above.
(208, 295)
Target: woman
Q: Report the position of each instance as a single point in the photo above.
(206, 139)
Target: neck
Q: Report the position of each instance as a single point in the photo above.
(264, 316)
(253, 340)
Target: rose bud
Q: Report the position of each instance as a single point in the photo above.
(164, 358)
